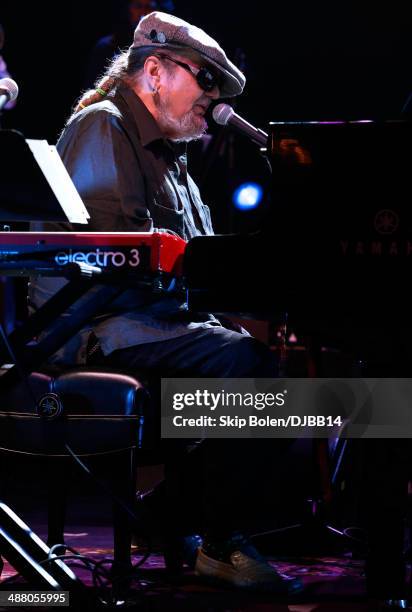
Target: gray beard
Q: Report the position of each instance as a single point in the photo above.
(179, 130)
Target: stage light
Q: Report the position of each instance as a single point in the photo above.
(247, 196)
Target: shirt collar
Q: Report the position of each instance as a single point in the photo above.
(149, 130)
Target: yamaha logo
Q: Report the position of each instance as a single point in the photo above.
(386, 221)
(50, 406)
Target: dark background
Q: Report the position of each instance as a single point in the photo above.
(304, 60)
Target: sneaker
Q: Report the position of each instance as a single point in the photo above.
(238, 563)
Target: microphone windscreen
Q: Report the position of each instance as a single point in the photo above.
(222, 113)
(9, 86)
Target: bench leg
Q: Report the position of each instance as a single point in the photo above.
(58, 479)
(124, 486)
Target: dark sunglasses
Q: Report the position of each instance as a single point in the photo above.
(205, 79)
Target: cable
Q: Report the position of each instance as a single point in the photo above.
(116, 499)
(347, 529)
(103, 486)
(96, 568)
(103, 580)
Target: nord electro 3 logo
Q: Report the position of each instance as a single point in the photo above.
(100, 257)
(385, 223)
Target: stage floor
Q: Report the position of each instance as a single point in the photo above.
(332, 584)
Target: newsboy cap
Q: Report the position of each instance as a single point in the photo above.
(160, 30)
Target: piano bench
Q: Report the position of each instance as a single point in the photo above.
(90, 412)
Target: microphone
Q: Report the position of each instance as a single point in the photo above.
(9, 91)
(224, 114)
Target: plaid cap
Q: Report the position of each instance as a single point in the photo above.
(169, 32)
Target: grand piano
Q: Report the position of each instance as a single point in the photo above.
(335, 249)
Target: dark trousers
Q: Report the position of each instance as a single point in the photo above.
(226, 477)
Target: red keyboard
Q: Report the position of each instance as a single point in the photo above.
(128, 251)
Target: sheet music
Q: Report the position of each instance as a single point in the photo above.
(59, 180)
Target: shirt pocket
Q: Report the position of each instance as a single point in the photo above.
(165, 217)
(167, 195)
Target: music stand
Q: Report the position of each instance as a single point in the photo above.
(35, 185)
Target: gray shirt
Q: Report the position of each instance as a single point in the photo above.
(130, 179)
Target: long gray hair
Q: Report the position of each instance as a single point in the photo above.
(124, 68)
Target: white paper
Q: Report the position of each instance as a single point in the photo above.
(59, 180)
